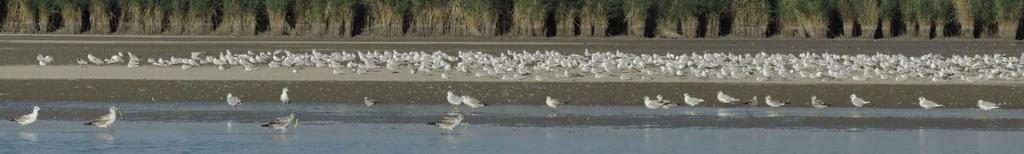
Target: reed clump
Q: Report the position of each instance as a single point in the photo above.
(802, 19)
(750, 18)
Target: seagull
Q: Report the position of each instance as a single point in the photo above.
(369, 101)
(472, 102)
(453, 99)
(233, 101)
(280, 124)
(692, 101)
(553, 103)
(284, 96)
(657, 104)
(448, 123)
(82, 63)
(722, 97)
(982, 104)
(27, 119)
(857, 101)
(663, 100)
(773, 103)
(105, 120)
(817, 103)
(927, 104)
(44, 60)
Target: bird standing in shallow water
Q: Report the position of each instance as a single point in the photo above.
(369, 101)
(692, 101)
(106, 120)
(818, 104)
(927, 104)
(472, 102)
(281, 124)
(233, 101)
(284, 96)
(27, 119)
(553, 103)
(448, 123)
(773, 103)
(857, 101)
(453, 99)
(722, 97)
(986, 105)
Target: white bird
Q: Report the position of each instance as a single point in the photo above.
(453, 99)
(857, 101)
(472, 102)
(818, 104)
(82, 63)
(369, 101)
(657, 104)
(448, 123)
(105, 120)
(692, 101)
(27, 119)
(284, 96)
(663, 100)
(927, 104)
(44, 60)
(986, 105)
(233, 101)
(280, 124)
(553, 102)
(722, 97)
(773, 103)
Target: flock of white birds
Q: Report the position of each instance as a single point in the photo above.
(543, 65)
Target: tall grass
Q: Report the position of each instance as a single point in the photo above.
(986, 16)
(480, 17)
(594, 18)
(528, 18)
(386, 17)
(713, 12)
(340, 17)
(566, 14)
(71, 16)
(21, 16)
(636, 15)
(1009, 17)
(276, 11)
(925, 18)
(239, 17)
(907, 9)
(750, 18)
(199, 17)
(964, 15)
(804, 19)
(431, 17)
(101, 15)
(517, 18)
(177, 17)
(889, 9)
(45, 12)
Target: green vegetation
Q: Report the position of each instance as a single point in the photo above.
(905, 19)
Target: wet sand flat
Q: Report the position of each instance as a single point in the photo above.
(497, 93)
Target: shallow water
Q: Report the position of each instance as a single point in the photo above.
(213, 127)
(164, 137)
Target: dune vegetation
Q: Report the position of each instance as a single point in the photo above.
(670, 19)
